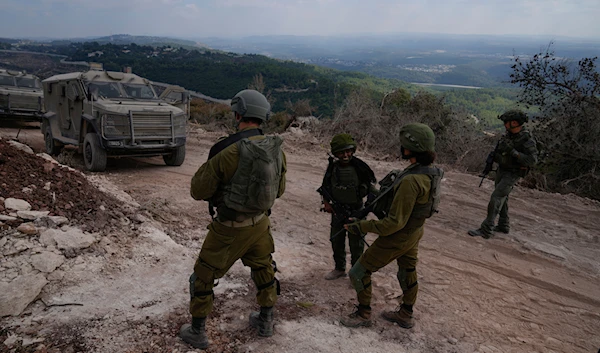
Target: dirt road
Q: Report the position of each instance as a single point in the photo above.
(534, 290)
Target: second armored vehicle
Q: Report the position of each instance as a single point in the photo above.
(21, 96)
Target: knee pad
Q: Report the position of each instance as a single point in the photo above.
(263, 278)
(204, 290)
(356, 274)
(407, 278)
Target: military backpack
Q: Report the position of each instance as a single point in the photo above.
(255, 184)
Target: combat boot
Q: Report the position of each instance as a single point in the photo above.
(195, 334)
(501, 229)
(480, 233)
(335, 274)
(263, 321)
(361, 317)
(402, 316)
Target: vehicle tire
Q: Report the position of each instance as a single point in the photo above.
(52, 148)
(175, 158)
(94, 155)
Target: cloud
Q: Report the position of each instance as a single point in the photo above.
(300, 17)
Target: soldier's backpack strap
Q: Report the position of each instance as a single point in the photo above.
(223, 144)
(231, 139)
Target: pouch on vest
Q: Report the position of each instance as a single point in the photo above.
(387, 184)
(255, 184)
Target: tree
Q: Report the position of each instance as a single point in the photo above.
(567, 127)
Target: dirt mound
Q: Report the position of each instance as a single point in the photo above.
(48, 186)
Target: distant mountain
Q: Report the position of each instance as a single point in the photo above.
(126, 39)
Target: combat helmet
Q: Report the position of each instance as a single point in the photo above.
(251, 104)
(417, 137)
(341, 142)
(516, 115)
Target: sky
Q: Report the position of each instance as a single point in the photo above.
(192, 19)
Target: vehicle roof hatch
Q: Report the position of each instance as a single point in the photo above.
(115, 75)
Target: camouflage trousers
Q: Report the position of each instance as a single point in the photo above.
(222, 247)
(338, 244)
(498, 205)
(403, 247)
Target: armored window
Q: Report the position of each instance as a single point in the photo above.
(7, 81)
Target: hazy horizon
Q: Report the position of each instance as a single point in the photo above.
(190, 19)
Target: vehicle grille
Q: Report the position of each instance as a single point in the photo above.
(157, 125)
(17, 102)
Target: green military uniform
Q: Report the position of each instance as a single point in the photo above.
(399, 236)
(515, 155)
(231, 236)
(348, 191)
(407, 198)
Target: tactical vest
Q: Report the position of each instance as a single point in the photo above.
(420, 211)
(523, 142)
(345, 185)
(254, 186)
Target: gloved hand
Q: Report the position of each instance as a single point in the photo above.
(327, 207)
(353, 228)
(505, 146)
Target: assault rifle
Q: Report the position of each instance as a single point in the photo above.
(341, 212)
(353, 215)
(489, 163)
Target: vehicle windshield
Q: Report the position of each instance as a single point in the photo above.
(105, 89)
(7, 80)
(28, 82)
(139, 91)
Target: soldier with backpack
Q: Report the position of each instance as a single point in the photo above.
(411, 196)
(347, 181)
(515, 154)
(243, 176)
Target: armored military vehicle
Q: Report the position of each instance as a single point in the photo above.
(21, 96)
(111, 114)
(174, 95)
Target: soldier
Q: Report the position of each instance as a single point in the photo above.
(244, 174)
(346, 182)
(413, 197)
(515, 154)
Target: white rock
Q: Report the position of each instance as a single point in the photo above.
(18, 294)
(5, 218)
(47, 186)
(11, 340)
(47, 157)
(47, 261)
(32, 215)
(26, 190)
(72, 238)
(27, 228)
(21, 146)
(16, 204)
(27, 341)
(3, 241)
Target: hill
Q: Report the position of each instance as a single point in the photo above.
(123, 286)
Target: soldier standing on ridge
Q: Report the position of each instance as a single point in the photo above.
(515, 154)
(346, 182)
(413, 197)
(243, 176)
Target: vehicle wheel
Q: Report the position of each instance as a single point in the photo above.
(52, 148)
(175, 158)
(94, 155)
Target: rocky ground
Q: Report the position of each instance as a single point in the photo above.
(99, 263)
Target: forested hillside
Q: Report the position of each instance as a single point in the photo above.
(221, 75)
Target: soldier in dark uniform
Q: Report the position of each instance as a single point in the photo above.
(348, 180)
(242, 188)
(515, 154)
(413, 197)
